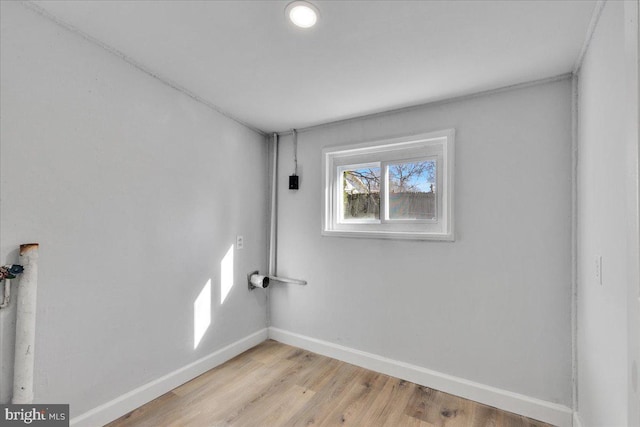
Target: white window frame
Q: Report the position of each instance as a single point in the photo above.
(438, 146)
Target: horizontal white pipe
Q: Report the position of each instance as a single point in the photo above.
(287, 280)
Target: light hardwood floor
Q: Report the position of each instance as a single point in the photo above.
(277, 385)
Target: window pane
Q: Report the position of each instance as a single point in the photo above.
(412, 190)
(361, 193)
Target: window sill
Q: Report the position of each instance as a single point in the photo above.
(441, 237)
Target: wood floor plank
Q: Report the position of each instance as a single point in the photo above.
(147, 411)
(221, 375)
(346, 410)
(407, 421)
(277, 412)
(438, 408)
(483, 416)
(326, 369)
(225, 407)
(274, 384)
(318, 408)
(384, 404)
(400, 399)
(356, 407)
(260, 402)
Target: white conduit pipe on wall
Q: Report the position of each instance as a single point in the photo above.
(274, 222)
(274, 212)
(25, 326)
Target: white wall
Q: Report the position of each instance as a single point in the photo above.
(605, 225)
(135, 192)
(492, 307)
(632, 51)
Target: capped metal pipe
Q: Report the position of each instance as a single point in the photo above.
(25, 326)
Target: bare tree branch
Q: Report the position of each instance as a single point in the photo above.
(403, 177)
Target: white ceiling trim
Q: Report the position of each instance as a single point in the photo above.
(264, 132)
(45, 14)
(595, 17)
(523, 85)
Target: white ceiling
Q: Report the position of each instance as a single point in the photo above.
(363, 57)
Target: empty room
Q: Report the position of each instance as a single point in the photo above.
(295, 213)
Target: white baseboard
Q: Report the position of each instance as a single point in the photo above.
(541, 410)
(129, 401)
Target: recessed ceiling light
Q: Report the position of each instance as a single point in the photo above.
(302, 14)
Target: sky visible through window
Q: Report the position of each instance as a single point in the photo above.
(412, 176)
(403, 177)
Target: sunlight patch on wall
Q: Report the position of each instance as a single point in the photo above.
(201, 314)
(226, 275)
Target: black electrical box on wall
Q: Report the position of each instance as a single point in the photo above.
(293, 182)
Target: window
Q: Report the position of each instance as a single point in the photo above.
(400, 188)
